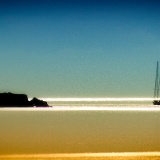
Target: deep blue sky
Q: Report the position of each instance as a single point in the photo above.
(89, 48)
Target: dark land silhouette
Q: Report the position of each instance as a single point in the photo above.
(20, 100)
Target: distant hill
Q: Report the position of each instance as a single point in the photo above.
(20, 100)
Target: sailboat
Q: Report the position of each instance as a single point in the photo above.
(157, 87)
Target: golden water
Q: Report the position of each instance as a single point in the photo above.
(80, 130)
(90, 156)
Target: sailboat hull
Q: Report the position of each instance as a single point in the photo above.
(156, 102)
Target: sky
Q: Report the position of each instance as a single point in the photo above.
(79, 48)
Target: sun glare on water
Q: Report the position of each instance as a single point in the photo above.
(95, 108)
(95, 99)
(86, 155)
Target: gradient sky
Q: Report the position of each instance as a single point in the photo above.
(83, 48)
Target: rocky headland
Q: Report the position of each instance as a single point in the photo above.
(20, 100)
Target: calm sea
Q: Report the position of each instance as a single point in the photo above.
(71, 130)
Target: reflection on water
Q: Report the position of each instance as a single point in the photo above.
(100, 103)
(86, 156)
(47, 130)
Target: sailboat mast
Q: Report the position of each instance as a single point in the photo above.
(156, 89)
(158, 82)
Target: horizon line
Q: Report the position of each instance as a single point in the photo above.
(97, 99)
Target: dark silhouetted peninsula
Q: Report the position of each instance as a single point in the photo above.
(20, 100)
